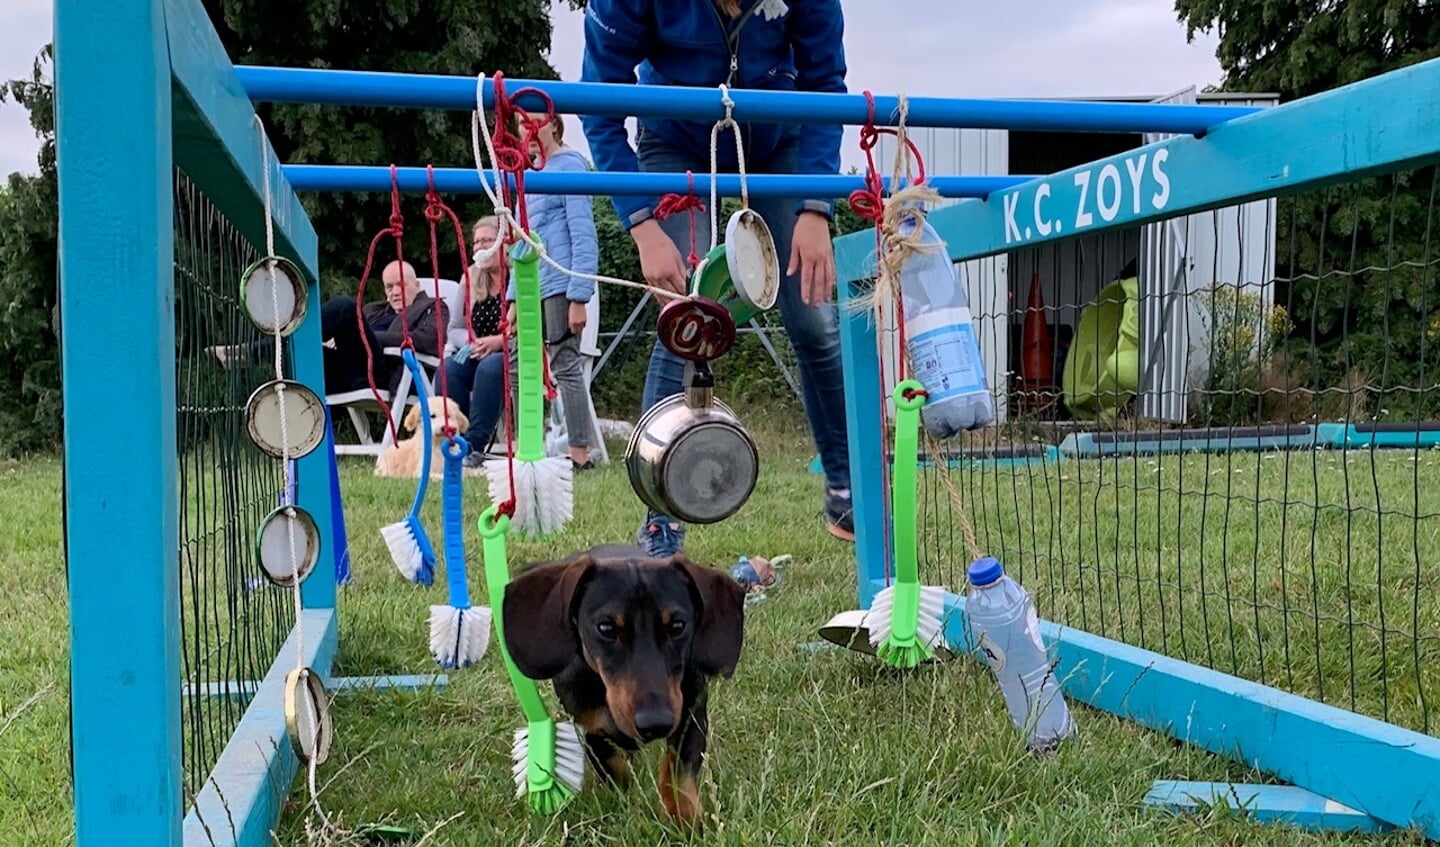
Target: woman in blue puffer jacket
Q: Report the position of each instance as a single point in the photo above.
(566, 226)
(765, 44)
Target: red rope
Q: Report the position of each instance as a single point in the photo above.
(512, 158)
(512, 152)
(869, 204)
(395, 229)
(435, 211)
(671, 204)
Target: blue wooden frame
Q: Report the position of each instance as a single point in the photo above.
(1369, 127)
(1328, 138)
(164, 62)
(122, 540)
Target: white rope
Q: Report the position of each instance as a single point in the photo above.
(480, 128)
(285, 439)
(728, 120)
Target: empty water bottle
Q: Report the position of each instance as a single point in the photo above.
(1003, 622)
(940, 338)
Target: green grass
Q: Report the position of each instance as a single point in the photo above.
(808, 746)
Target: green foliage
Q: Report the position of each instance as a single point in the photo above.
(1243, 338)
(1345, 255)
(30, 403)
(455, 37)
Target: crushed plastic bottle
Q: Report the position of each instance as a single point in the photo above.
(1004, 624)
(940, 338)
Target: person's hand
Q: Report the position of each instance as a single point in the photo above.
(577, 317)
(813, 256)
(660, 261)
(485, 346)
(510, 316)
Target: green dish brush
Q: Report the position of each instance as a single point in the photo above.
(905, 618)
(549, 758)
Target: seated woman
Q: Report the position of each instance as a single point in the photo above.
(474, 373)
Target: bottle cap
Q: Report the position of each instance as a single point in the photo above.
(985, 571)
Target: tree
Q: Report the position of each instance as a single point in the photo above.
(1360, 322)
(30, 403)
(455, 37)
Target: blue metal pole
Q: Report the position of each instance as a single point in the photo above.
(122, 542)
(467, 181)
(432, 91)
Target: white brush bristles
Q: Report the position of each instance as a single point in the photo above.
(929, 626)
(404, 549)
(569, 758)
(459, 637)
(545, 499)
(877, 619)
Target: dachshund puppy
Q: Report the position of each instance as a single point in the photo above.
(631, 643)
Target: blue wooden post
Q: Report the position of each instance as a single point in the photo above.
(863, 419)
(318, 590)
(112, 113)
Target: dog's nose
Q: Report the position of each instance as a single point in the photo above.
(653, 723)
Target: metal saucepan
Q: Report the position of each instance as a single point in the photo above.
(690, 458)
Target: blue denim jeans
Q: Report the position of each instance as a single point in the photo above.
(814, 331)
(478, 386)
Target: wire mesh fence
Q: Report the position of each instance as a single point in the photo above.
(1217, 441)
(233, 620)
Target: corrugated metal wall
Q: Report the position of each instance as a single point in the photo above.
(1180, 259)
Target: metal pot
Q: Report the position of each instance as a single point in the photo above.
(690, 458)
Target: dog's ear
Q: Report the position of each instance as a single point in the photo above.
(720, 601)
(412, 419)
(538, 616)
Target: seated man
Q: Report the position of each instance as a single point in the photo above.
(384, 326)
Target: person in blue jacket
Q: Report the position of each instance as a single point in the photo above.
(764, 44)
(566, 227)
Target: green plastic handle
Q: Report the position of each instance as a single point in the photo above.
(530, 352)
(909, 397)
(493, 529)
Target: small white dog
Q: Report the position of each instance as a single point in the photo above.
(403, 458)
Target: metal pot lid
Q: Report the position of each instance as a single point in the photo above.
(696, 328)
(274, 304)
(304, 419)
(750, 254)
(272, 545)
(307, 715)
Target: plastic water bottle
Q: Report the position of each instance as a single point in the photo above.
(940, 337)
(1003, 622)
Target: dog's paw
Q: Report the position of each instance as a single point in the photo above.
(680, 794)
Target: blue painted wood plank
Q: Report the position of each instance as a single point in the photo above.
(1377, 125)
(1284, 804)
(245, 689)
(416, 682)
(1093, 444)
(864, 423)
(320, 496)
(340, 541)
(246, 790)
(1381, 769)
(116, 233)
(217, 141)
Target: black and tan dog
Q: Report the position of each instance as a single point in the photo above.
(630, 642)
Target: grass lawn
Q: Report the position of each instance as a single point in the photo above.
(808, 746)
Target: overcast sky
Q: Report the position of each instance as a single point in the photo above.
(1022, 48)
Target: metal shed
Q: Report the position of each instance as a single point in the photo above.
(1173, 259)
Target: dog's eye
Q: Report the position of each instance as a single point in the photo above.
(606, 629)
(677, 627)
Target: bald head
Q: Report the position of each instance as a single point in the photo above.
(401, 284)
